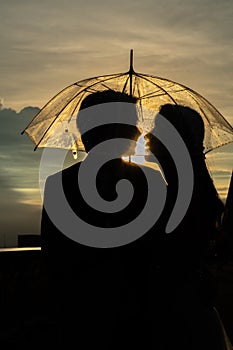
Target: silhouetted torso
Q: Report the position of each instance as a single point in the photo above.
(101, 290)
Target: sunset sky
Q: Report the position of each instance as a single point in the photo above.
(47, 45)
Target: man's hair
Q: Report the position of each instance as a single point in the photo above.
(106, 97)
(106, 131)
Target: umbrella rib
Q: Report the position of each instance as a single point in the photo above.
(91, 90)
(165, 92)
(126, 82)
(153, 94)
(75, 107)
(37, 145)
(106, 86)
(60, 92)
(214, 148)
(53, 98)
(193, 96)
(97, 82)
(91, 86)
(85, 89)
(206, 101)
(190, 90)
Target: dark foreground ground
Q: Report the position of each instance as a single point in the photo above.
(223, 275)
(23, 290)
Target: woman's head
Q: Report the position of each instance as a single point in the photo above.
(187, 122)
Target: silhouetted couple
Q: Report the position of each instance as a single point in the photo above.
(150, 292)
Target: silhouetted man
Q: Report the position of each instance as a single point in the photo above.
(99, 290)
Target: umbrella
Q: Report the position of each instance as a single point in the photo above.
(55, 124)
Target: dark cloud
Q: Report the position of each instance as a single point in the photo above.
(20, 200)
(16, 151)
(16, 216)
(12, 123)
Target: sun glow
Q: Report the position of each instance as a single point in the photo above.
(140, 152)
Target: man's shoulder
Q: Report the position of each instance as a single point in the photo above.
(66, 172)
(154, 168)
(150, 169)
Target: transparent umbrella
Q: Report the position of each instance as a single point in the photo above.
(55, 124)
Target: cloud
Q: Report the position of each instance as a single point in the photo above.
(20, 201)
(220, 166)
(16, 151)
(16, 215)
(189, 42)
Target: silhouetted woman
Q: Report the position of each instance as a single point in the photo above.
(184, 297)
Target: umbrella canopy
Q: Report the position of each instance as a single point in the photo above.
(55, 124)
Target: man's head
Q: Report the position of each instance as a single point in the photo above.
(108, 117)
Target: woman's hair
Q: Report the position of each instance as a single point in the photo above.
(188, 123)
(205, 207)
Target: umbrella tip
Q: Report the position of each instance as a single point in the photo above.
(131, 61)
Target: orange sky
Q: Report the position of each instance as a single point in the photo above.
(50, 44)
